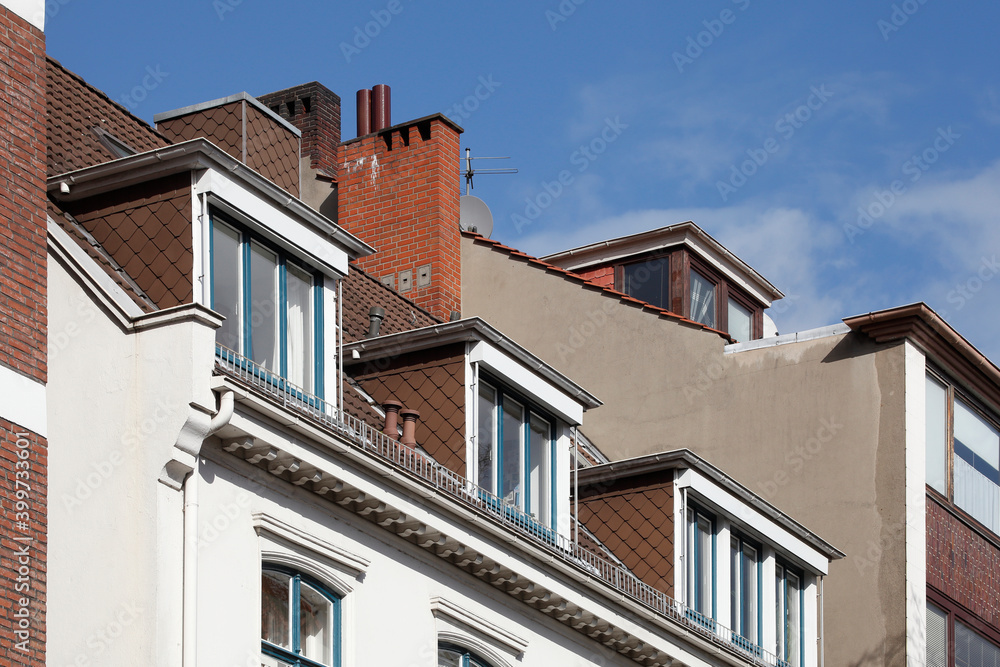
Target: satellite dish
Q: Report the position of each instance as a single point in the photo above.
(475, 216)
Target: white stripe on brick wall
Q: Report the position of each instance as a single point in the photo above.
(22, 401)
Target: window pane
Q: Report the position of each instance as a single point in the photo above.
(702, 299)
(539, 449)
(226, 284)
(739, 321)
(513, 439)
(937, 435)
(298, 284)
(648, 281)
(748, 593)
(692, 561)
(977, 459)
(971, 650)
(263, 312)
(704, 602)
(734, 585)
(275, 599)
(486, 435)
(937, 637)
(793, 619)
(779, 610)
(449, 658)
(315, 624)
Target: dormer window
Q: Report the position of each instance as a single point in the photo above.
(515, 450)
(702, 300)
(272, 305)
(678, 281)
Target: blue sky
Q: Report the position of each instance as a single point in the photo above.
(848, 151)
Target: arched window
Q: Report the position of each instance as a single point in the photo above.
(299, 620)
(455, 656)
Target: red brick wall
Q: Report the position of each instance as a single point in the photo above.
(22, 196)
(399, 192)
(603, 275)
(962, 564)
(23, 321)
(23, 462)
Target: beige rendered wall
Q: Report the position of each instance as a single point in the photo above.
(816, 428)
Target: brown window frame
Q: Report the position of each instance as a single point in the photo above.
(954, 392)
(682, 262)
(956, 611)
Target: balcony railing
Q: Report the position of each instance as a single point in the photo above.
(422, 466)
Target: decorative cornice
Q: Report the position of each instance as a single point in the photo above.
(943, 345)
(265, 523)
(443, 607)
(379, 508)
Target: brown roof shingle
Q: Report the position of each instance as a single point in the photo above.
(362, 292)
(75, 109)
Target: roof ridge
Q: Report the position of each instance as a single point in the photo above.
(393, 291)
(101, 93)
(621, 296)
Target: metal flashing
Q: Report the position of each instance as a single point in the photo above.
(238, 97)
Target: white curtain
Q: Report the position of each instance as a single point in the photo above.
(702, 300)
(300, 361)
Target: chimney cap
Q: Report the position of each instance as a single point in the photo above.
(409, 413)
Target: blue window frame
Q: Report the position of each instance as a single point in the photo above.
(701, 566)
(746, 589)
(456, 656)
(789, 622)
(273, 306)
(300, 620)
(516, 452)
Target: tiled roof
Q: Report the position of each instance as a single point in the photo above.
(433, 383)
(101, 256)
(75, 109)
(356, 405)
(362, 292)
(515, 254)
(635, 521)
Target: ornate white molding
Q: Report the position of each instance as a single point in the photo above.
(268, 526)
(441, 607)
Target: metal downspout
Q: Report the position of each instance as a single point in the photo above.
(190, 564)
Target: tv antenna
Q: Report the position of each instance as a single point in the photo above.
(470, 172)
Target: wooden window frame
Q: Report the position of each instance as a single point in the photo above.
(956, 612)
(953, 393)
(681, 263)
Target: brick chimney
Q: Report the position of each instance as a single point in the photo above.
(399, 191)
(315, 110)
(23, 324)
(396, 188)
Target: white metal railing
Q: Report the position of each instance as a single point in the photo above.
(422, 466)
